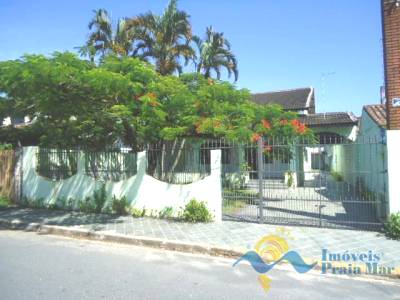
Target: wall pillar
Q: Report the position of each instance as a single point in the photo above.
(215, 204)
(393, 168)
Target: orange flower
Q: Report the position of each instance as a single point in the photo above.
(295, 123)
(198, 129)
(266, 124)
(255, 137)
(152, 95)
(210, 81)
(302, 128)
(217, 123)
(298, 126)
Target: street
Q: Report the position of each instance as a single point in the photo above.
(36, 266)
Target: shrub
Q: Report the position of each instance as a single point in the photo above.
(33, 203)
(120, 206)
(100, 198)
(337, 176)
(61, 203)
(290, 179)
(4, 202)
(166, 213)
(87, 205)
(196, 211)
(6, 147)
(392, 227)
(137, 212)
(70, 204)
(52, 205)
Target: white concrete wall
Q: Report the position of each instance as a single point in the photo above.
(141, 190)
(393, 159)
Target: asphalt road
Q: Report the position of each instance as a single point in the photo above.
(36, 266)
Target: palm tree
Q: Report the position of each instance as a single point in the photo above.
(164, 39)
(104, 39)
(214, 53)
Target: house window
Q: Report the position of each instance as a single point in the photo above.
(328, 138)
(318, 161)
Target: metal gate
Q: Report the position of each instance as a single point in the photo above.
(329, 183)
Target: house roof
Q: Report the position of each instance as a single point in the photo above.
(295, 99)
(377, 112)
(331, 118)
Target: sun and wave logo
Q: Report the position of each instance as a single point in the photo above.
(274, 249)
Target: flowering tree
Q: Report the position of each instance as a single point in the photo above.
(79, 104)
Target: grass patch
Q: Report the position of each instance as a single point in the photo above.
(235, 200)
(4, 202)
(230, 206)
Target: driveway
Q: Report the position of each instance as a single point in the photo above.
(320, 202)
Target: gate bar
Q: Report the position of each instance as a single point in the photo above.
(260, 166)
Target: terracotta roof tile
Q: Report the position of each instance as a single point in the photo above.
(377, 112)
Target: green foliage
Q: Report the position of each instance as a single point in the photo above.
(137, 212)
(6, 147)
(33, 203)
(100, 198)
(232, 206)
(4, 202)
(96, 203)
(214, 53)
(337, 176)
(196, 211)
(290, 179)
(64, 203)
(164, 38)
(87, 206)
(79, 104)
(105, 39)
(392, 227)
(166, 213)
(120, 206)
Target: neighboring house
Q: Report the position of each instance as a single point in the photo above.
(16, 121)
(301, 100)
(373, 122)
(372, 161)
(332, 125)
(330, 128)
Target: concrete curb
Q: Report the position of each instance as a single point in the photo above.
(157, 243)
(122, 239)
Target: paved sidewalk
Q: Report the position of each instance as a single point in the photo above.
(227, 234)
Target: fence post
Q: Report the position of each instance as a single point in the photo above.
(260, 166)
(393, 163)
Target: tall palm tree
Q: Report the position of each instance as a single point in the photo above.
(164, 39)
(104, 39)
(215, 53)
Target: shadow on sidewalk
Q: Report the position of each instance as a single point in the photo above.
(58, 217)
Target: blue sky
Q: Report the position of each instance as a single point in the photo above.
(279, 44)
